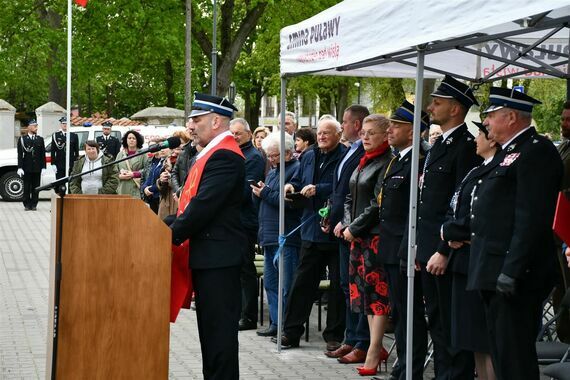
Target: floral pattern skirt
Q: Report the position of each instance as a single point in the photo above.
(368, 284)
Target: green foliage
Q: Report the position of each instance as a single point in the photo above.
(552, 94)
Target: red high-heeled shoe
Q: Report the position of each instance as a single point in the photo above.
(363, 371)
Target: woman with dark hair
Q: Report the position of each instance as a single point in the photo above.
(130, 170)
(103, 181)
(304, 140)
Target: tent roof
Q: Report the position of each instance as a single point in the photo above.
(470, 39)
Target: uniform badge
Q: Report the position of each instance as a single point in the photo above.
(534, 141)
(509, 159)
(511, 147)
(449, 140)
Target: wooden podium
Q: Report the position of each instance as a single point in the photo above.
(113, 315)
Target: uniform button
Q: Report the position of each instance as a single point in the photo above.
(480, 181)
(472, 233)
(472, 216)
(475, 198)
(421, 202)
(382, 220)
(419, 218)
(440, 168)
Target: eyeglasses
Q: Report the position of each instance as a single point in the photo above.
(272, 156)
(369, 133)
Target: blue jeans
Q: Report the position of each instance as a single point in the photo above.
(357, 330)
(271, 277)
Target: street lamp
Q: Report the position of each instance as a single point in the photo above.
(357, 84)
(232, 92)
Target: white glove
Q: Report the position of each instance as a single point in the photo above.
(20, 172)
(54, 168)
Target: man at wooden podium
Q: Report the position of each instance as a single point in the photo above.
(208, 226)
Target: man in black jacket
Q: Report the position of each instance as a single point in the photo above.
(254, 171)
(319, 250)
(58, 149)
(357, 335)
(451, 157)
(31, 163)
(513, 259)
(394, 200)
(109, 144)
(210, 218)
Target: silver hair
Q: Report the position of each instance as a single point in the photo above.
(332, 120)
(273, 140)
(242, 121)
(524, 115)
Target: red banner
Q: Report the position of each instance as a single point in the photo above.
(81, 3)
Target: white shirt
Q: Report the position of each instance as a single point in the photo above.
(404, 151)
(449, 132)
(215, 141)
(488, 160)
(514, 137)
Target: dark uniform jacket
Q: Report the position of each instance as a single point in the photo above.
(254, 170)
(309, 174)
(394, 210)
(564, 151)
(447, 164)
(110, 147)
(457, 227)
(512, 212)
(58, 146)
(212, 218)
(361, 206)
(31, 154)
(340, 186)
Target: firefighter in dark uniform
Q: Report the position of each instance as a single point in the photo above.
(394, 203)
(58, 149)
(31, 163)
(108, 144)
(513, 261)
(450, 158)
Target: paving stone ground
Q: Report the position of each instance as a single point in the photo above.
(24, 283)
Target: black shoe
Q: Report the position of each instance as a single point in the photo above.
(270, 331)
(286, 343)
(34, 209)
(247, 324)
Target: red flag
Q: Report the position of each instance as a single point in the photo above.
(81, 3)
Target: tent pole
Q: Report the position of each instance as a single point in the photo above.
(413, 210)
(568, 72)
(281, 211)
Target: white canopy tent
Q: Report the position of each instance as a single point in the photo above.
(474, 40)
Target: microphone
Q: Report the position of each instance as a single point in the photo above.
(171, 142)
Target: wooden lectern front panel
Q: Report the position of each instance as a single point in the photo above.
(115, 290)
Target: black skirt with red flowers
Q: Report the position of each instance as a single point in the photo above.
(368, 284)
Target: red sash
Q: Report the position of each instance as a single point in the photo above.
(181, 280)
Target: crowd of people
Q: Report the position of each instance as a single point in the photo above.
(486, 256)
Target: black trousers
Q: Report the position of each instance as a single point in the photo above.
(248, 278)
(437, 293)
(398, 290)
(513, 324)
(31, 181)
(313, 259)
(61, 170)
(218, 304)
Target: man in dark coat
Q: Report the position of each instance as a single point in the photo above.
(59, 148)
(357, 337)
(254, 171)
(31, 163)
(513, 258)
(394, 204)
(109, 144)
(209, 216)
(319, 250)
(451, 157)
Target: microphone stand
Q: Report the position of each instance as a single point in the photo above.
(60, 188)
